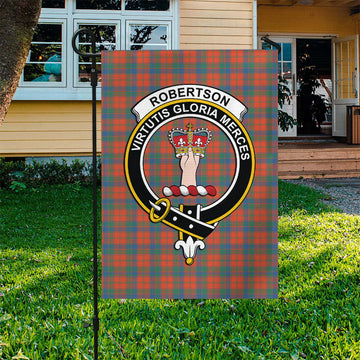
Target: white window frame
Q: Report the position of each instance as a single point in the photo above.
(77, 23)
(52, 84)
(71, 88)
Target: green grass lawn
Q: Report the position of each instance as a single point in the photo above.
(46, 290)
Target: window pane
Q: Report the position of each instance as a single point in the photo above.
(286, 52)
(43, 52)
(105, 36)
(159, 5)
(287, 70)
(47, 33)
(147, 47)
(148, 37)
(99, 4)
(85, 72)
(44, 63)
(103, 33)
(50, 71)
(53, 4)
(99, 47)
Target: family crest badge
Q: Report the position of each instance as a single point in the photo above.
(193, 223)
(189, 174)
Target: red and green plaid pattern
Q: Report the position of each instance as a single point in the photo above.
(138, 257)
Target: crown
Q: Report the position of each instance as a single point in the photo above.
(182, 140)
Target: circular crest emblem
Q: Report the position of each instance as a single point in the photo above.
(194, 223)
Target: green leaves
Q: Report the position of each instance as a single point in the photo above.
(17, 186)
(284, 97)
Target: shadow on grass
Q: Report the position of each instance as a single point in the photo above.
(71, 279)
(324, 274)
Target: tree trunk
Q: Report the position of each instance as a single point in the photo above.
(18, 19)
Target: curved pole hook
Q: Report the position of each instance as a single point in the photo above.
(92, 55)
(92, 39)
(273, 43)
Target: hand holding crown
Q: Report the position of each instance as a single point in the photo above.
(189, 163)
(189, 147)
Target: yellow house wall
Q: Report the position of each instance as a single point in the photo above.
(306, 20)
(64, 127)
(48, 128)
(216, 24)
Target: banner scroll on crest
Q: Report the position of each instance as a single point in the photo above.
(189, 174)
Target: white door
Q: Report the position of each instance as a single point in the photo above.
(345, 80)
(287, 69)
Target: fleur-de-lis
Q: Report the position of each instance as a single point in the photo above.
(181, 142)
(190, 248)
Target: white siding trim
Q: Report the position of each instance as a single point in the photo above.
(255, 36)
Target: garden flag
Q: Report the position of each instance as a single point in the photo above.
(189, 202)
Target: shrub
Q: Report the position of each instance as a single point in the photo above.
(14, 173)
(9, 172)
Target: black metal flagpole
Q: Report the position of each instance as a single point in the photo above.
(93, 56)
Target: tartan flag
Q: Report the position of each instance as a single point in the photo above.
(189, 195)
